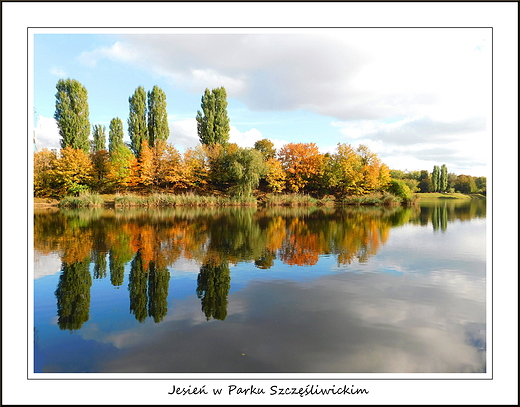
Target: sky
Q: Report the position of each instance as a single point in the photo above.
(417, 97)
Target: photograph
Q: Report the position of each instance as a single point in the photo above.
(226, 213)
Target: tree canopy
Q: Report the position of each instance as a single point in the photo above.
(72, 114)
(213, 122)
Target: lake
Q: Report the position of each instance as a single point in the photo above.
(261, 290)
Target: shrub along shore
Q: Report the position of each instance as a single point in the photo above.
(189, 199)
(86, 200)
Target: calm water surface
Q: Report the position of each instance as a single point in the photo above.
(281, 290)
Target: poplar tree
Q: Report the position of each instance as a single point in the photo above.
(157, 116)
(72, 114)
(435, 178)
(213, 121)
(115, 134)
(443, 182)
(100, 137)
(137, 127)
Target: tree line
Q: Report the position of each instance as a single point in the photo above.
(149, 163)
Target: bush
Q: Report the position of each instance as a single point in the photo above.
(400, 190)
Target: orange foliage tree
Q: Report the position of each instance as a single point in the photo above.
(301, 162)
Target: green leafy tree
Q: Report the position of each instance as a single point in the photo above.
(246, 168)
(72, 114)
(115, 134)
(122, 162)
(100, 137)
(157, 116)
(436, 173)
(213, 122)
(466, 184)
(266, 147)
(425, 185)
(400, 189)
(443, 179)
(137, 126)
(101, 167)
(481, 185)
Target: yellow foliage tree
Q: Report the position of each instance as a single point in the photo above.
(72, 171)
(168, 163)
(44, 162)
(275, 175)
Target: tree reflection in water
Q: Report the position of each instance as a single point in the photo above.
(152, 241)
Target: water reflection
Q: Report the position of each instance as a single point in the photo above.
(151, 241)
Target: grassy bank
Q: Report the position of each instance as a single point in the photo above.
(132, 200)
(194, 200)
(435, 196)
(84, 200)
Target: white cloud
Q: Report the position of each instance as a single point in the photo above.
(46, 133)
(117, 52)
(58, 72)
(46, 264)
(245, 139)
(183, 133)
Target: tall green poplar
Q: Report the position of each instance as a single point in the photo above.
(100, 137)
(213, 121)
(435, 178)
(157, 116)
(137, 127)
(72, 114)
(115, 134)
(443, 180)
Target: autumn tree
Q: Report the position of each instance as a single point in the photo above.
(44, 162)
(115, 134)
(99, 136)
(137, 125)
(344, 170)
(72, 114)
(374, 175)
(266, 147)
(168, 164)
(301, 162)
(72, 171)
(147, 168)
(157, 116)
(275, 175)
(194, 169)
(213, 122)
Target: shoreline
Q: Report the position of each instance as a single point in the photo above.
(421, 197)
